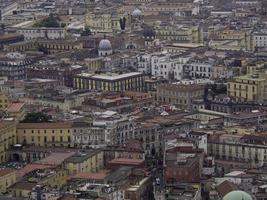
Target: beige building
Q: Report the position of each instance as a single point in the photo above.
(134, 81)
(103, 22)
(183, 34)
(180, 95)
(85, 162)
(7, 178)
(251, 87)
(7, 138)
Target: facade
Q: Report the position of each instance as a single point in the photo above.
(52, 70)
(59, 45)
(170, 67)
(7, 178)
(180, 95)
(13, 66)
(134, 81)
(180, 34)
(57, 134)
(251, 87)
(37, 33)
(103, 22)
(7, 139)
(259, 40)
(4, 101)
(85, 162)
(6, 39)
(199, 68)
(183, 164)
(92, 136)
(249, 149)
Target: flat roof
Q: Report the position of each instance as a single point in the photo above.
(110, 77)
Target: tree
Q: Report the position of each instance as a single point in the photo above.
(42, 49)
(86, 32)
(50, 22)
(123, 23)
(36, 117)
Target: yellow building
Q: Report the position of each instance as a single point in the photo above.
(133, 81)
(16, 110)
(184, 34)
(56, 134)
(251, 87)
(22, 189)
(94, 64)
(85, 162)
(7, 138)
(7, 178)
(4, 101)
(103, 22)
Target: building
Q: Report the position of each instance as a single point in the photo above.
(134, 81)
(250, 87)
(7, 139)
(141, 190)
(6, 8)
(183, 165)
(4, 101)
(7, 178)
(179, 33)
(7, 39)
(59, 45)
(50, 69)
(180, 95)
(246, 150)
(54, 134)
(85, 162)
(168, 66)
(259, 40)
(199, 67)
(37, 33)
(103, 22)
(13, 66)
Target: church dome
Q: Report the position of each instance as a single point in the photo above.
(104, 45)
(237, 195)
(137, 13)
(148, 32)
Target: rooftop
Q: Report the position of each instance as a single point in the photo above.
(110, 77)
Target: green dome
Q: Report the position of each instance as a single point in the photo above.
(237, 195)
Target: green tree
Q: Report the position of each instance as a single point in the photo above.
(86, 32)
(36, 117)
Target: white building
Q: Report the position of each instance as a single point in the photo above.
(199, 68)
(144, 63)
(35, 33)
(260, 39)
(168, 66)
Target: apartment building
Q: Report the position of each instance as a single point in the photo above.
(32, 33)
(199, 67)
(7, 138)
(249, 149)
(85, 162)
(168, 66)
(180, 95)
(54, 134)
(250, 87)
(179, 33)
(134, 81)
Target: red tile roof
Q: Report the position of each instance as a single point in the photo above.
(31, 167)
(4, 172)
(15, 107)
(125, 161)
(91, 176)
(44, 125)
